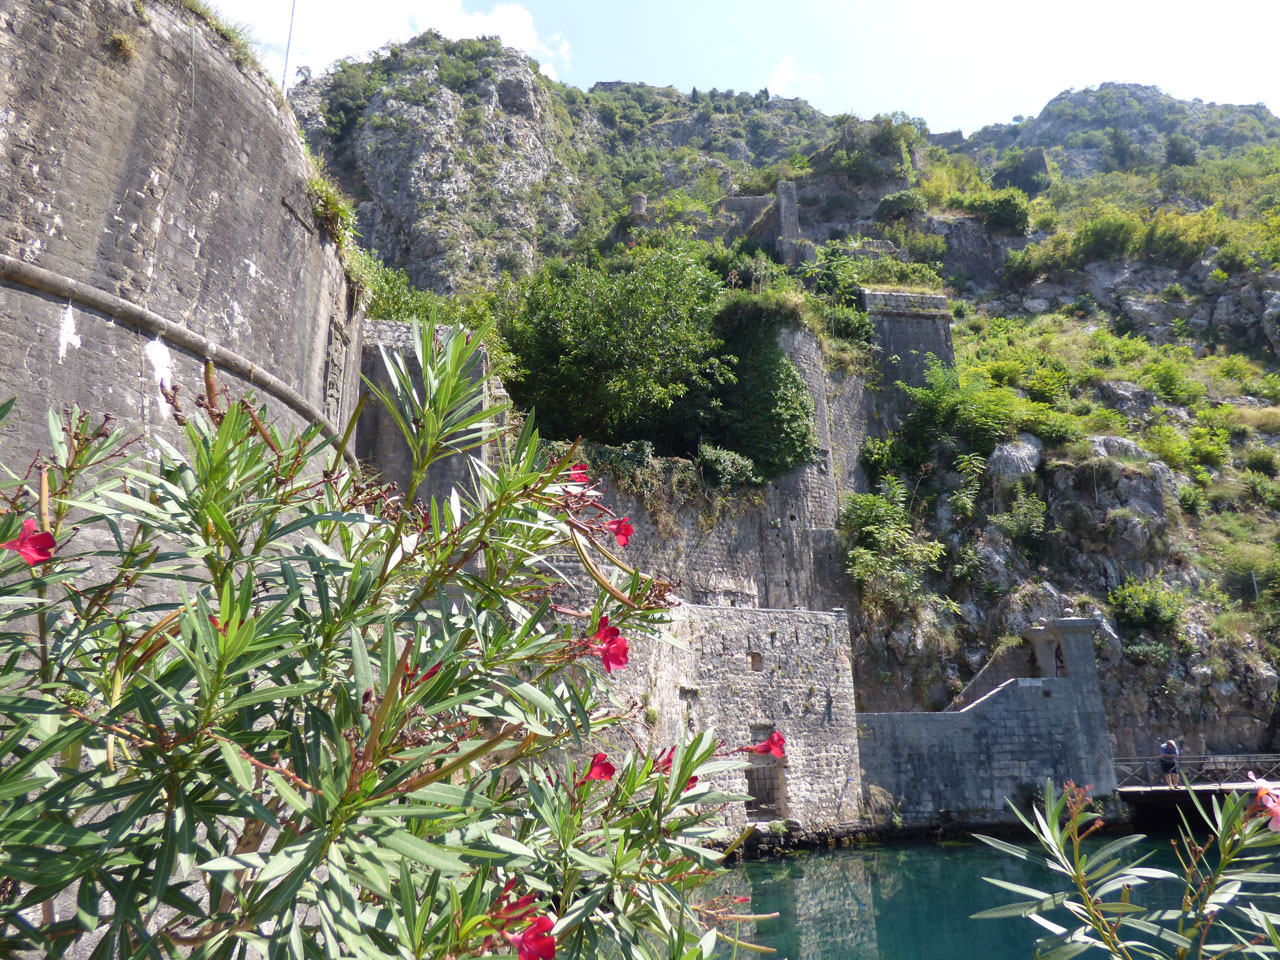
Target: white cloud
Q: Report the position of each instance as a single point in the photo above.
(785, 80)
(327, 30)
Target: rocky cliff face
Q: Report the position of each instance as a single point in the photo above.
(1145, 120)
(453, 177)
(466, 162)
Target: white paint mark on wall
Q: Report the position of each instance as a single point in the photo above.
(67, 336)
(157, 353)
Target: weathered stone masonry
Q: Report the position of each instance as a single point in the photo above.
(962, 765)
(174, 179)
(744, 672)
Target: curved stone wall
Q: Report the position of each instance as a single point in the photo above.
(139, 158)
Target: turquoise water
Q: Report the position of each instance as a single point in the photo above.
(891, 902)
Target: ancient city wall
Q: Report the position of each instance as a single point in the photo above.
(142, 162)
(911, 328)
(961, 766)
(744, 673)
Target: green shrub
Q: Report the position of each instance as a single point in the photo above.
(1024, 522)
(765, 411)
(1191, 499)
(1111, 234)
(1210, 446)
(1147, 605)
(1170, 381)
(1180, 239)
(975, 413)
(904, 203)
(123, 45)
(1052, 258)
(884, 553)
(921, 245)
(333, 210)
(725, 469)
(1262, 460)
(880, 456)
(608, 355)
(1003, 211)
(1174, 293)
(1168, 443)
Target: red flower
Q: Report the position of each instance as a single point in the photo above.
(535, 942)
(693, 782)
(578, 473)
(31, 546)
(506, 913)
(218, 625)
(612, 647)
(622, 530)
(776, 745)
(663, 763)
(601, 769)
(741, 899)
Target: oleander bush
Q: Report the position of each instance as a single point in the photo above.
(253, 701)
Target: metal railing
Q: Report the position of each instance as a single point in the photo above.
(1211, 770)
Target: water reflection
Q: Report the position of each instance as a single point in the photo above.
(902, 902)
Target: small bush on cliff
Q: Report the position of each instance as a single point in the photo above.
(1147, 605)
(726, 469)
(904, 203)
(1003, 211)
(887, 557)
(965, 406)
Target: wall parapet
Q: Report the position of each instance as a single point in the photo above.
(965, 766)
(905, 304)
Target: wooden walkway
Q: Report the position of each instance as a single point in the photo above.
(1217, 774)
(1162, 791)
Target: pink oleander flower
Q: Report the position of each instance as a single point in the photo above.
(690, 784)
(578, 473)
(31, 546)
(600, 769)
(535, 942)
(1268, 801)
(622, 530)
(776, 745)
(612, 646)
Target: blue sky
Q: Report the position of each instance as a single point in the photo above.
(955, 65)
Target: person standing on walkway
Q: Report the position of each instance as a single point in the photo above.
(1169, 762)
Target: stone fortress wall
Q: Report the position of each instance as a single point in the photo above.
(147, 173)
(931, 768)
(743, 673)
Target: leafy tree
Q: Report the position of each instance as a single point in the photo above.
(1179, 150)
(607, 355)
(252, 701)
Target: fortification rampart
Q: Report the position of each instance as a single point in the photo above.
(912, 329)
(144, 164)
(744, 673)
(961, 766)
